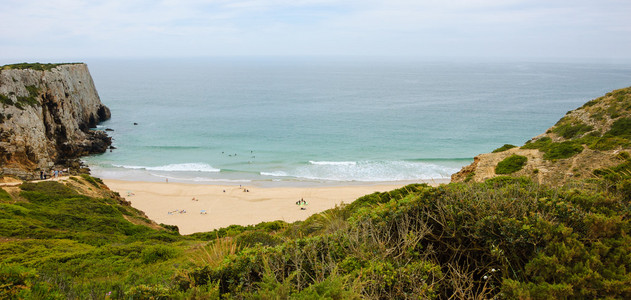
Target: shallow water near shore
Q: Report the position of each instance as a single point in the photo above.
(327, 121)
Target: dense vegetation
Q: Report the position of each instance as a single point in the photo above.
(506, 238)
(511, 164)
(609, 129)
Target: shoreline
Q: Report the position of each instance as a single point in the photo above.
(217, 206)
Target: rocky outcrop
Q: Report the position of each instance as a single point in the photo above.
(587, 138)
(46, 118)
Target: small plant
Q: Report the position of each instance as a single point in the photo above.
(504, 148)
(5, 100)
(511, 164)
(469, 177)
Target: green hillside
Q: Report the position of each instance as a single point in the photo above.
(506, 237)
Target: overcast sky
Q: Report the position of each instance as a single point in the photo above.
(64, 29)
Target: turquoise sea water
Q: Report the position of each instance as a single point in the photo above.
(273, 120)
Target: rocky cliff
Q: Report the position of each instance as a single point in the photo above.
(593, 136)
(46, 116)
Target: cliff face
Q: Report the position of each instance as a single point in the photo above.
(587, 138)
(46, 116)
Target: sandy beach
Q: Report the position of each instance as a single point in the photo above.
(217, 206)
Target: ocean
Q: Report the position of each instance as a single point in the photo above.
(287, 121)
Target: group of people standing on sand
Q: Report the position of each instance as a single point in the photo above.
(302, 203)
(53, 174)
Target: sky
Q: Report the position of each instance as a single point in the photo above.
(33, 30)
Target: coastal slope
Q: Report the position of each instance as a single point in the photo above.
(46, 112)
(585, 139)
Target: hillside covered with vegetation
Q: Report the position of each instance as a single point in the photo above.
(585, 139)
(508, 237)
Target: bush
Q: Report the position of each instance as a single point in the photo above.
(620, 128)
(569, 130)
(504, 148)
(5, 100)
(252, 238)
(562, 150)
(538, 144)
(92, 180)
(15, 281)
(4, 196)
(144, 291)
(609, 143)
(157, 253)
(511, 164)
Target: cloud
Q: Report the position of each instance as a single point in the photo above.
(311, 27)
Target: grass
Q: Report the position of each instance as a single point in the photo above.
(511, 164)
(33, 66)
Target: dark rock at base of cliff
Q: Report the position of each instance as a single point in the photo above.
(100, 141)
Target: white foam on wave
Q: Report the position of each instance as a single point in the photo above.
(333, 163)
(200, 179)
(368, 171)
(275, 174)
(186, 167)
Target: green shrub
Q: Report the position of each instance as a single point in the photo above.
(252, 238)
(4, 196)
(538, 144)
(144, 291)
(504, 148)
(6, 100)
(46, 191)
(511, 164)
(157, 253)
(562, 150)
(609, 143)
(469, 177)
(620, 128)
(570, 130)
(92, 180)
(15, 281)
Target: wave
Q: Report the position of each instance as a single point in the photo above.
(202, 179)
(185, 167)
(367, 171)
(333, 163)
(275, 174)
